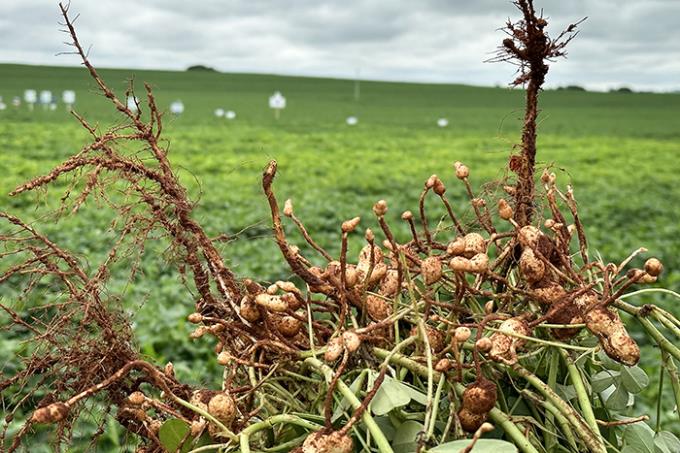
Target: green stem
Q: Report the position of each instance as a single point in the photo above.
(430, 377)
(549, 436)
(591, 439)
(555, 413)
(498, 417)
(435, 406)
(658, 401)
(669, 364)
(378, 436)
(268, 423)
(540, 341)
(581, 393)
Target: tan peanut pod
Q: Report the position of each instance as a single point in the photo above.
(334, 349)
(504, 209)
(462, 171)
(197, 427)
(293, 302)
(334, 442)
(439, 188)
(653, 267)
(195, 318)
(606, 324)
(288, 326)
(528, 236)
(461, 334)
(352, 275)
(474, 244)
(332, 273)
(377, 308)
(380, 208)
(443, 365)
(365, 255)
(223, 407)
(460, 264)
(469, 421)
(456, 247)
(377, 274)
(271, 303)
(504, 346)
(479, 263)
(434, 337)
(548, 293)
(531, 267)
(484, 344)
(349, 225)
(136, 398)
(480, 396)
(351, 340)
(53, 413)
(431, 269)
(389, 286)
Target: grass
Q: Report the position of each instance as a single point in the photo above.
(621, 151)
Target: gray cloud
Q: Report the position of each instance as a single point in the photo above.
(624, 42)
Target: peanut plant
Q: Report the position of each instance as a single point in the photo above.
(493, 327)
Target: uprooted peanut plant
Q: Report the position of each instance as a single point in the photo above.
(467, 331)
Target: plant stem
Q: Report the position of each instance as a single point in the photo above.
(554, 412)
(499, 417)
(549, 436)
(669, 364)
(378, 436)
(581, 392)
(264, 424)
(658, 400)
(590, 438)
(435, 406)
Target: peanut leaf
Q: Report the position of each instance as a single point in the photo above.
(482, 446)
(172, 433)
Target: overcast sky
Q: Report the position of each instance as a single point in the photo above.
(633, 43)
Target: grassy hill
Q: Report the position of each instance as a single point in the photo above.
(325, 103)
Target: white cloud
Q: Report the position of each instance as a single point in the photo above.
(625, 42)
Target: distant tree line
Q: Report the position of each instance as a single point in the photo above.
(200, 67)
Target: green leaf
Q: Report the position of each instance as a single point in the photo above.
(639, 437)
(666, 442)
(634, 379)
(482, 446)
(603, 380)
(355, 386)
(391, 394)
(406, 437)
(618, 400)
(566, 392)
(172, 433)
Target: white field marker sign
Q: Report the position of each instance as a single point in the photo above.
(132, 103)
(46, 99)
(219, 112)
(442, 122)
(68, 97)
(277, 102)
(352, 120)
(31, 97)
(230, 114)
(177, 108)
